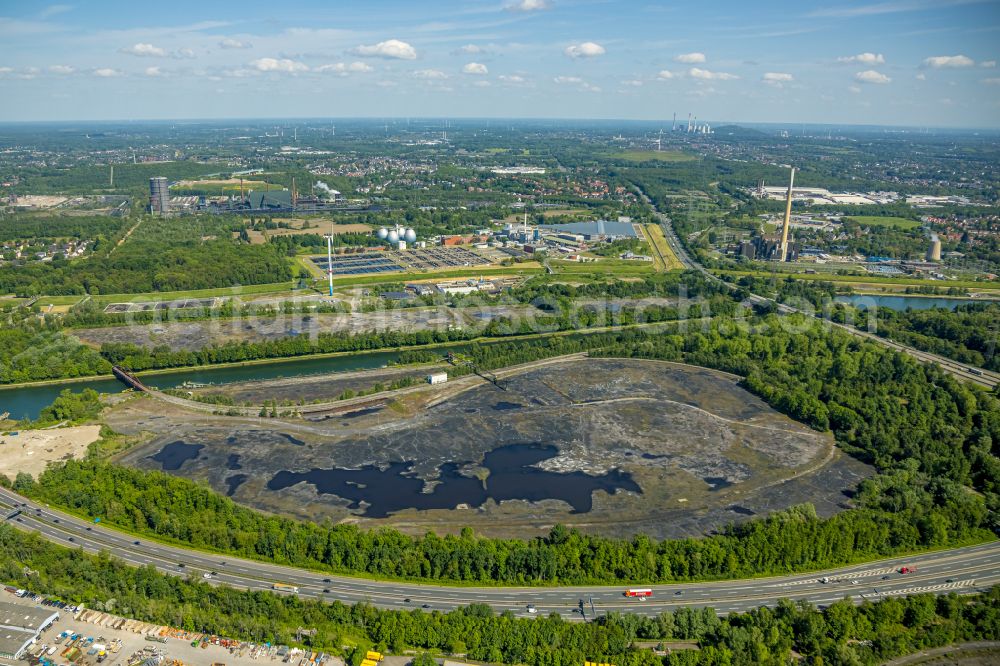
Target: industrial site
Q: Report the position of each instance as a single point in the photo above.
(612, 447)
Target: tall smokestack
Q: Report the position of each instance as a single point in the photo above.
(788, 217)
(294, 196)
(689, 123)
(674, 128)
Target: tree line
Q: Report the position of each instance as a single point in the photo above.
(842, 633)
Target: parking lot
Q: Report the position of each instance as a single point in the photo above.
(80, 635)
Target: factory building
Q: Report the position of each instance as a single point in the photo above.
(20, 627)
(768, 248)
(159, 195)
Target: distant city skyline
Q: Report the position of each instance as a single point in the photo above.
(889, 62)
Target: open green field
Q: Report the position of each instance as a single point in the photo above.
(872, 280)
(874, 221)
(664, 258)
(654, 155)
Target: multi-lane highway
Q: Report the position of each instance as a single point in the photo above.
(984, 378)
(962, 570)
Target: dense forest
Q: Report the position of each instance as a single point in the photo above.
(144, 266)
(842, 633)
(28, 354)
(929, 450)
(23, 227)
(970, 334)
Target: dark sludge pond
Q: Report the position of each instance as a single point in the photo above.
(512, 477)
(172, 456)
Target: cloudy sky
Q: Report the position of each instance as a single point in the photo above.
(899, 62)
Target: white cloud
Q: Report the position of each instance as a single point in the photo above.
(871, 76)
(153, 71)
(471, 49)
(391, 48)
(514, 79)
(346, 68)
(854, 89)
(106, 72)
(430, 74)
(585, 50)
(940, 62)
(691, 58)
(864, 59)
(6, 70)
(921, 77)
(634, 83)
(568, 79)
(989, 64)
(53, 10)
(528, 6)
(482, 84)
(144, 51)
(706, 75)
(777, 79)
(61, 69)
(230, 43)
(665, 75)
(477, 68)
(989, 82)
(278, 65)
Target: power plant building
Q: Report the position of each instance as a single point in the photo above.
(159, 195)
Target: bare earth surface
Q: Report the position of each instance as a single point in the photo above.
(670, 450)
(31, 450)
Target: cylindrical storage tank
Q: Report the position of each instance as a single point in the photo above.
(410, 236)
(393, 236)
(383, 233)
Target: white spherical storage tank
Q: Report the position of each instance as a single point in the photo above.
(393, 236)
(383, 233)
(410, 236)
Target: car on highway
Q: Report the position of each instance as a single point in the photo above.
(89, 528)
(206, 576)
(71, 539)
(180, 565)
(135, 543)
(326, 590)
(949, 581)
(532, 609)
(886, 577)
(327, 580)
(426, 606)
(678, 593)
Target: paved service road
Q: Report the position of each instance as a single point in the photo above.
(963, 570)
(984, 378)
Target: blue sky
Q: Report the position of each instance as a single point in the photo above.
(898, 62)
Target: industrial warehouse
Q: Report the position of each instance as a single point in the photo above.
(21, 626)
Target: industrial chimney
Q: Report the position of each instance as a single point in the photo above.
(788, 217)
